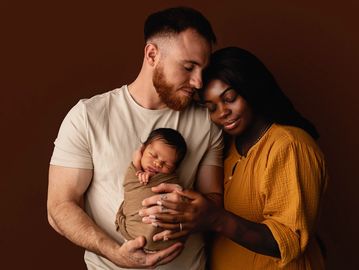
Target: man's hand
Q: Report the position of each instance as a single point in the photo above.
(178, 212)
(131, 255)
(65, 213)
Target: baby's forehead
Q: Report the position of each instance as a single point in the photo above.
(160, 143)
(163, 149)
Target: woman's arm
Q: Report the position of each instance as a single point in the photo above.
(202, 214)
(255, 236)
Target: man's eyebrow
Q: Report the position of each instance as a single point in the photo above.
(191, 62)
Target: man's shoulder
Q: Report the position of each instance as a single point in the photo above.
(196, 111)
(102, 99)
(96, 107)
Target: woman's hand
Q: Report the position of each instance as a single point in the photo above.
(179, 212)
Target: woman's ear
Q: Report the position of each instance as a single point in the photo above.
(151, 54)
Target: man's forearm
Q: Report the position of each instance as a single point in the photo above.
(70, 220)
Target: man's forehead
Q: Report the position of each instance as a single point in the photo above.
(191, 47)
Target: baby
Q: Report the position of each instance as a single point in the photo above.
(154, 164)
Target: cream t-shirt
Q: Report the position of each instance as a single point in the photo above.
(102, 132)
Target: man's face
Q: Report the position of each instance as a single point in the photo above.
(178, 73)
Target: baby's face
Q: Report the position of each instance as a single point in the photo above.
(158, 157)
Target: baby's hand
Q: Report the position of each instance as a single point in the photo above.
(144, 177)
(137, 156)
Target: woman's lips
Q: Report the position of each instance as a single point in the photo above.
(231, 124)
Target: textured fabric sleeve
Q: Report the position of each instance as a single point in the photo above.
(214, 154)
(72, 144)
(292, 190)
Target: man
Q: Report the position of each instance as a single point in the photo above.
(98, 136)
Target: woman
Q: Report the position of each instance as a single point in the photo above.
(275, 174)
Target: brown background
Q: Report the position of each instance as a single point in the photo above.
(54, 53)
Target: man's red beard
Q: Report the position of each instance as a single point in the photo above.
(167, 92)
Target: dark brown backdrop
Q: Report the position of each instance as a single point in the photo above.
(54, 53)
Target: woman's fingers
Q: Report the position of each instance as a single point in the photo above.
(156, 211)
(174, 198)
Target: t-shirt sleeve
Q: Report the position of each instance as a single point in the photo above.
(214, 154)
(72, 147)
(293, 186)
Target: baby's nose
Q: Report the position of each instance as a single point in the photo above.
(158, 163)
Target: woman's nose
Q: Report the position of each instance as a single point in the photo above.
(223, 111)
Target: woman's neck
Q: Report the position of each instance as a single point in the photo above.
(252, 135)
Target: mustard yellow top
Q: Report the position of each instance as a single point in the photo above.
(279, 183)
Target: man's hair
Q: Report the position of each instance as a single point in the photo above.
(176, 20)
(170, 137)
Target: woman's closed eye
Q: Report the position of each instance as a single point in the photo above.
(211, 107)
(230, 96)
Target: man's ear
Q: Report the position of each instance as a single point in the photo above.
(151, 54)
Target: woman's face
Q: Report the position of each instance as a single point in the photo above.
(227, 109)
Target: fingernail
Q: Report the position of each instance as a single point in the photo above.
(145, 219)
(159, 203)
(165, 238)
(140, 213)
(153, 217)
(154, 224)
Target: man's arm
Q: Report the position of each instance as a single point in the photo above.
(210, 183)
(66, 215)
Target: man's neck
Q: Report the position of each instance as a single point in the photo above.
(144, 93)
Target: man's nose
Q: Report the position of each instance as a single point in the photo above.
(196, 80)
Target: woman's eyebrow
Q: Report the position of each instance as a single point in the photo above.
(226, 90)
(222, 94)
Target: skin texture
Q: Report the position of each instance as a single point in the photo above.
(184, 56)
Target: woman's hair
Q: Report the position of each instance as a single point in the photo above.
(170, 137)
(244, 72)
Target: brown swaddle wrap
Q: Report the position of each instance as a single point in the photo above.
(128, 221)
